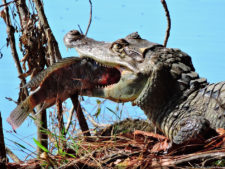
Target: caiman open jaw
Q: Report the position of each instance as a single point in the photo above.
(126, 55)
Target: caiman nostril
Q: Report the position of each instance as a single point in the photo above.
(71, 39)
(75, 32)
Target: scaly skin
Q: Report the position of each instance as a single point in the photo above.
(60, 81)
(162, 81)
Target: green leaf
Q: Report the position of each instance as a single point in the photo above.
(32, 117)
(40, 145)
(98, 112)
(71, 155)
(20, 145)
(75, 146)
(113, 113)
(98, 101)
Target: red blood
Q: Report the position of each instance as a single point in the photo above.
(104, 79)
(109, 76)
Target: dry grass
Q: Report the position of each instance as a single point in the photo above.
(132, 150)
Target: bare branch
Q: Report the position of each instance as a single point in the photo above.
(59, 116)
(60, 122)
(41, 135)
(80, 115)
(168, 22)
(94, 123)
(196, 156)
(90, 18)
(12, 155)
(53, 48)
(69, 119)
(2, 143)
(24, 14)
(10, 31)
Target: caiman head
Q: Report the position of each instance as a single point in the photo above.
(127, 56)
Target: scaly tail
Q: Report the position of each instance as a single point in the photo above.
(20, 113)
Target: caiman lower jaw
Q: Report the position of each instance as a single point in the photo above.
(110, 82)
(115, 83)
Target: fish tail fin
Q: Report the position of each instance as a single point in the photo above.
(20, 113)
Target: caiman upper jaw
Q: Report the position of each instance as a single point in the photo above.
(98, 50)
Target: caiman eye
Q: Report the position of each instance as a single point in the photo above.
(119, 44)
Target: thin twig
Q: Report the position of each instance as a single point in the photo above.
(202, 155)
(79, 162)
(94, 123)
(12, 155)
(80, 29)
(69, 119)
(98, 162)
(84, 157)
(90, 18)
(168, 22)
(11, 100)
(8, 3)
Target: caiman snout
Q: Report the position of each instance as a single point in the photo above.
(72, 38)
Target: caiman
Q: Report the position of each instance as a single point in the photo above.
(60, 81)
(161, 81)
